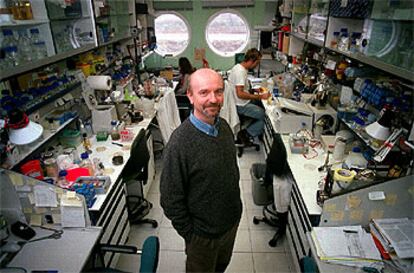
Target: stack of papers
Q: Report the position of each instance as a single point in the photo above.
(346, 245)
(395, 240)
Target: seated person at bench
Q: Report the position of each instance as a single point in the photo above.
(247, 103)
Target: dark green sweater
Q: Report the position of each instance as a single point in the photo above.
(199, 185)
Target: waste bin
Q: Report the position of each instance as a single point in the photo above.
(262, 190)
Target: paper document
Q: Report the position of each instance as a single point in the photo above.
(346, 245)
(399, 233)
(44, 196)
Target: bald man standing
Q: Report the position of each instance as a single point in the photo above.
(199, 184)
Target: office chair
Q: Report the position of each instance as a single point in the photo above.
(149, 255)
(136, 171)
(184, 106)
(276, 173)
(243, 142)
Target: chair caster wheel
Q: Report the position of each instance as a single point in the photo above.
(239, 152)
(255, 221)
(257, 148)
(155, 225)
(272, 243)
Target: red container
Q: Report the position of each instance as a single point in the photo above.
(74, 173)
(33, 169)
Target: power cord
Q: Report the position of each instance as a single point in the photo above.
(57, 234)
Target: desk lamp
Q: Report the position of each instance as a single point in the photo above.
(380, 129)
(21, 130)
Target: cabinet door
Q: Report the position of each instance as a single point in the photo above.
(318, 19)
(113, 19)
(300, 17)
(72, 24)
(25, 35)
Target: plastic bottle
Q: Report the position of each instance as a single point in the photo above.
(38, 45)
(114, 131)
(87, 163)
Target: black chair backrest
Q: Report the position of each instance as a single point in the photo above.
(137, 165)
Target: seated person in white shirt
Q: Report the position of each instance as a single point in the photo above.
(246, 102)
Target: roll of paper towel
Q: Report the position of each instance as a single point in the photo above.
(100, 82)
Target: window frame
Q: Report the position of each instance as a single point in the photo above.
(185, 22)
(214, 16)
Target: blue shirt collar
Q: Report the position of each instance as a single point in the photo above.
(211, 130)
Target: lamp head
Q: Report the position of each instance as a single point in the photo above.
(21, 130)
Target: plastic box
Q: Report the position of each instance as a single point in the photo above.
(70, 138)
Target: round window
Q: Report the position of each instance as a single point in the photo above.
(172, 34)
(227, 33)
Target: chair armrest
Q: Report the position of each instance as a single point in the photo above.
(118, 249)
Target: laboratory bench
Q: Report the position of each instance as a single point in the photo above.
(305, 212)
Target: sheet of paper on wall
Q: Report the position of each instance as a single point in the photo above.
(45, 196)
(199, 54)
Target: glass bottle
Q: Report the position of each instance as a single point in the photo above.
(12, 56)
(335, 39)
(26, 10)
(38, 45)
(114, 131)
(87, 163)
(25, 46)
(86, 142)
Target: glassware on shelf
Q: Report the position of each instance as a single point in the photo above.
(25, 46)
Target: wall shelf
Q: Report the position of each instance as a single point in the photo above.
(47, 135)
(16, 23)
(365, 139)
(52, 98)
(15, 71)
(392, 69)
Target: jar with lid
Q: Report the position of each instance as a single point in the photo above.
(114, 131)
(51, 167)
(87, 163)
(62, 182)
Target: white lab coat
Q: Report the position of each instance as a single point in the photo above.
(282, 188)
(167, 115)
(229, 110)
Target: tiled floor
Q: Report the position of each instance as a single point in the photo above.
(251, 254)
